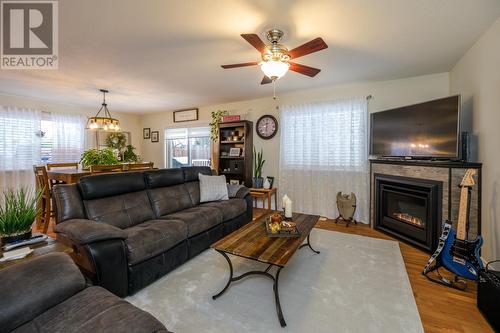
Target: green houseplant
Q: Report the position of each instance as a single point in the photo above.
(129, 155)
(18, 211)
(214, 124)
(258, 163)
(98, 157)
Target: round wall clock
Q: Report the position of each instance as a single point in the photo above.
(267, 127)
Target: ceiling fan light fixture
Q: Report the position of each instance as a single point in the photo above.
(274, 69)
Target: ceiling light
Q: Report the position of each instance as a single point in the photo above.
(104, 122)
(274, 69)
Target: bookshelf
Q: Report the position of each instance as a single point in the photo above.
(236, 136)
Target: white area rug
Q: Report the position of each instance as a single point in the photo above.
(357, 284)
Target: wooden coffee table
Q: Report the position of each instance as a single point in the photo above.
(47, 246)
(252, 242)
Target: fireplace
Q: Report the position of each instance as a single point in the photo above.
(409, 209)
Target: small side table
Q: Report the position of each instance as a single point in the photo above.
(39, 249)
(268, 192)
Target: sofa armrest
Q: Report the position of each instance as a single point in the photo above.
(30, 288)
(84, 232)
(237, 191)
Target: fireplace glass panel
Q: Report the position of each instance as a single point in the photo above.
(407, 209)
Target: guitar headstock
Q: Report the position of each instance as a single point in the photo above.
(468, 179)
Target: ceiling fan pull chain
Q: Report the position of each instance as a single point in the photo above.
(274, 89)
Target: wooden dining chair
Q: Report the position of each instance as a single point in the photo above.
(62, 165)
(106, 168)
(139, 166)
(45, 203)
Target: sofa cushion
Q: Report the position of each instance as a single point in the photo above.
(122, 211)
(32, 287)
(194, 191)
(166, 200)
(151, 238)
(198, 219)
(96, 310)
(110, 184)
(229, 208)
(163, 177)
(191, 173)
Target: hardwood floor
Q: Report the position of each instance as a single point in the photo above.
(441, 309)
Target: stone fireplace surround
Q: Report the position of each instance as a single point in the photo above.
(450, 174)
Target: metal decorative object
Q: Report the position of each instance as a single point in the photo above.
(346, 205)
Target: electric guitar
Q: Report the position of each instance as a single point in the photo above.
(455, 252)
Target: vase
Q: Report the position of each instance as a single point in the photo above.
(257, 182)
(15, 238)
(267, 184)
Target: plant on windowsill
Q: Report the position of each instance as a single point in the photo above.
(98, 157)
(258, 163)
(18, 210)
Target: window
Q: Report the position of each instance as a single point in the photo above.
(30, 137)
(187, 147)
(323, 151)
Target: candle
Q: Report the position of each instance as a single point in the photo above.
(288, 208)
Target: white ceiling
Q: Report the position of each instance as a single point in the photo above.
(162, 55)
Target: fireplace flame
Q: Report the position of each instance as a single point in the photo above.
(409, 219)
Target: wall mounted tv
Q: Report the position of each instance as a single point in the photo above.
(425, 130)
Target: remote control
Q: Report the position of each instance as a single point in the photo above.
(33, 240)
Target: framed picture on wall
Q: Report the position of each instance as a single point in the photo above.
(185, 115)
(155, 136)
(146, 133)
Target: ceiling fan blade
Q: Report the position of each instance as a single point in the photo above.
(312, 46)
(255, 41)
(302, 69)
(266, 80)
(244, 64)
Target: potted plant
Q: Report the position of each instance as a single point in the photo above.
(129, 155)
(98, 157)
(18, 211)
(258, 163)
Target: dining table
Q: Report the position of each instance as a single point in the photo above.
(67, 175)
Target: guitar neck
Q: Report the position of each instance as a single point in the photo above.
(462, 213)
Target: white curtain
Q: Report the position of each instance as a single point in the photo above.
(19, 146)
(64, 137)
(323, 150)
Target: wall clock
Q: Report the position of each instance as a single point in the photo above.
(267, 127)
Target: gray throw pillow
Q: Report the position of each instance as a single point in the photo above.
(212, 188)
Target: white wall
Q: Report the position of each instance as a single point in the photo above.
(477, 77)
(386, 94)
(128, 122)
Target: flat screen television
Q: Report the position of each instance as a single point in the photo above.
(425, 130)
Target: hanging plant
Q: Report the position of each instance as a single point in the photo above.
(214, 124)
(116, 141)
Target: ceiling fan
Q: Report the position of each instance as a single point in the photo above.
(276, 57)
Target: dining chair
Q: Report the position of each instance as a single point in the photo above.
(106, 168)
(62, 165)
(45, 203)
(139, 166)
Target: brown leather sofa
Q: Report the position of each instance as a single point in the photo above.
(49, 294)
(129, 229)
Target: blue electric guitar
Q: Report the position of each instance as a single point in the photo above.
(455, 252)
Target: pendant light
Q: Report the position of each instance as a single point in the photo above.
(104, 122)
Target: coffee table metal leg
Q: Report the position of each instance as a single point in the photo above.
(277, 299)
(230, 276)
(309, 244)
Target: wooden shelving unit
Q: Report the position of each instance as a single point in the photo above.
(236, 134)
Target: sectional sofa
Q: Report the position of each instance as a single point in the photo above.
(129, 229)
